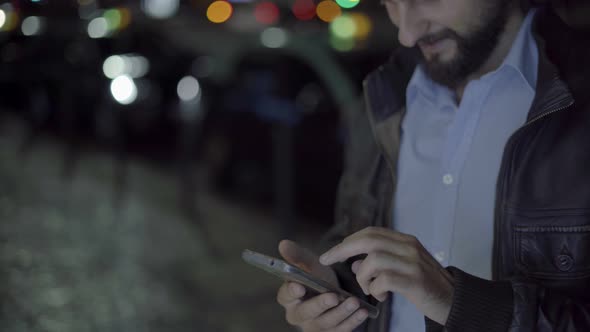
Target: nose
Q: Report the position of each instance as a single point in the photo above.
(411, 24)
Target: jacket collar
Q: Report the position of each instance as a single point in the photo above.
(385, 88)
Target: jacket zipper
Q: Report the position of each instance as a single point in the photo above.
(500, 192)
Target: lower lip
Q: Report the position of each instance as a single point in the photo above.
(434, 47)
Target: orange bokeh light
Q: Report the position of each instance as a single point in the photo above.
(219, 11)
(328, 10)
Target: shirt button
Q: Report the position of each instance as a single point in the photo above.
(448, 179)
(440, 256)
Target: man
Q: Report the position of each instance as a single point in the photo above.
(475, 159)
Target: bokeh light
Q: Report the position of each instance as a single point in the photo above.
(131, 65)
(2, 18)
(114, 19)
(304, 10)
(274, 37)
(347, 3)
(124, 90)
(125, 17)
(266, 13)
(342, 44)
(363, 25)
(98, 28)
(9, 17)
(113, 66)
(160, 9)
(328, 10)
(188, 89)
(219, 11)
(343, 27)
(31, 26)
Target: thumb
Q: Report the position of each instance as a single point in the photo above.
(306, 260)
(301, 257)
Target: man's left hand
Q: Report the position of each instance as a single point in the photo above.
(397, 262)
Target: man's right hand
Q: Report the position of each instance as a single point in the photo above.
(322, 312)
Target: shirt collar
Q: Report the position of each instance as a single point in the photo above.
(524, 54)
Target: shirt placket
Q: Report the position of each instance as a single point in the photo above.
(455, 152)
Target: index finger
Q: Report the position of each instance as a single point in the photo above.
(360, 245)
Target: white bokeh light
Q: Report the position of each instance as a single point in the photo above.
(136, 65)
(113, 66)
(188, 88)
(98, 28)
(124, 90)
(160, 9)
(274, 37)
(31, 26)
(2, 18)
(131, 65)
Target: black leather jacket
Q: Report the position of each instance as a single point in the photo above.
(541, 254)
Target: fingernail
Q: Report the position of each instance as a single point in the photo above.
(351, 306)
(296, 291)
(323, 259)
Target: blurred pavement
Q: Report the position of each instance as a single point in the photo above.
(80, 252)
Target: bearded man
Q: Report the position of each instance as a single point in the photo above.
(465, 201)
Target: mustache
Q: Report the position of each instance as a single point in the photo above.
(434, 37)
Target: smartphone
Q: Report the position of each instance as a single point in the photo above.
(289, 272)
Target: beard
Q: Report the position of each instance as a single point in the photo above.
(473, 50)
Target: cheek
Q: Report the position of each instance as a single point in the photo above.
(467, 16)
(462, 15)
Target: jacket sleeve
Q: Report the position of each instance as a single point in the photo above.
(516, 306)
(359, 148)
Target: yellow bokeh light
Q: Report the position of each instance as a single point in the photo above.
(363, 25)
(219, 11)
(328, 10)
